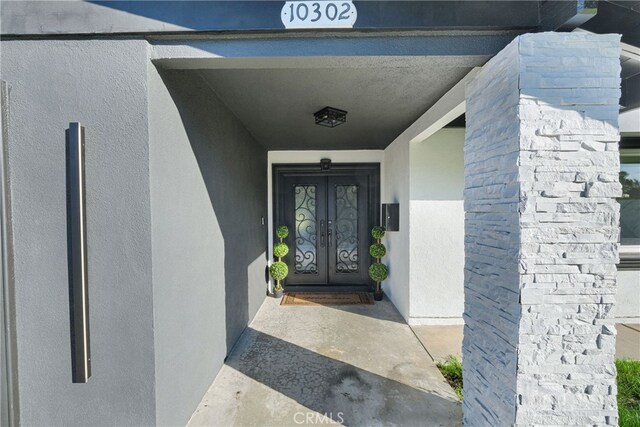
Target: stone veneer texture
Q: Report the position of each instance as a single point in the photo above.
(541, 177)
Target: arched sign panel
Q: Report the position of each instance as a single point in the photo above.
(318, 14)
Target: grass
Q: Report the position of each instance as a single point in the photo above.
(452, 371)
(628, 392)
(628, 387)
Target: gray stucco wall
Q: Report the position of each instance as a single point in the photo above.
(172, 177)
(102, 84)
(208, 194)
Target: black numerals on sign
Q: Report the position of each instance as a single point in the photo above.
(332, 11)
(316, 10)
(345, 11)
(301, 11)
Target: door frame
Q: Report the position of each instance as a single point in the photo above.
(372, 170)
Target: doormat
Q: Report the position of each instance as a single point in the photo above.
(328, 298)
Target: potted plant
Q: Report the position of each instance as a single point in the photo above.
(279, 269)
(378, 271)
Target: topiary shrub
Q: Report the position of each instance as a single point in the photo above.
(280, 249)
(282, 232)
(378, 232)
(378, 272)
(278, 271)
(377, 250)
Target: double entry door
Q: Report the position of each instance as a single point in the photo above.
(329, 216)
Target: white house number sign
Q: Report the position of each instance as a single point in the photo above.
(318, 14)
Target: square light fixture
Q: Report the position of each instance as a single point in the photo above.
(325, 164)
(330, 117)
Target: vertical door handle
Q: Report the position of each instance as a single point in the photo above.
(329, 232)
(322, 234)
(77, 253)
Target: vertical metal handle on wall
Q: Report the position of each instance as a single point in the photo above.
(77, 254)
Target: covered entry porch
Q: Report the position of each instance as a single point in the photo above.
(521, 174)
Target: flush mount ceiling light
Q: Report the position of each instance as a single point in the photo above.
(330, 117)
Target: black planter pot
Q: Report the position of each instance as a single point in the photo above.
(377, 292)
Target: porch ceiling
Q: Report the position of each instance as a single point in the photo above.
(276, 104)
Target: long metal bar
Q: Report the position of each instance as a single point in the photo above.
(77, 255)
(10, 399)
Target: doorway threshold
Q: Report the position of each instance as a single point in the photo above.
(328, 288)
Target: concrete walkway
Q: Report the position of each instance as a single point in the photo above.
(443, 341)
(628, 341)
(351, 365)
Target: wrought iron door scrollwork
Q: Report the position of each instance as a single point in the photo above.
(306, 230)
(346, 229)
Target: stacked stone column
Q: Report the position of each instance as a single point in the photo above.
(541, 177)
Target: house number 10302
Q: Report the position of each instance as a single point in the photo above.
(318, 14)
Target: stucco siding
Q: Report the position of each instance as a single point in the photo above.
(102, 84)
(208, 194)
(628, 296)
(395, 187)
(437, 229)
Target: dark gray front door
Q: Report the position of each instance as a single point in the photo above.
(329, 216)
(347, 225)
(305, 214)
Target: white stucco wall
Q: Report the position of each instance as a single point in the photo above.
(395, 185)
(628, 296)
(437, 229)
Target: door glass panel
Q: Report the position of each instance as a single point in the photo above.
(306, 233)
(346, 229)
